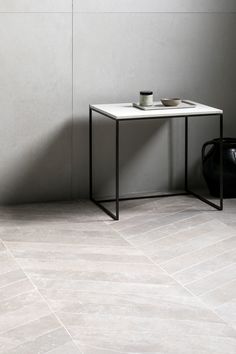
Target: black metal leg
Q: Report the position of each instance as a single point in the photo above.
(90, 154)
(117, 168)
(218, 207)
(186, 156)
(221, 163)
(97, 202)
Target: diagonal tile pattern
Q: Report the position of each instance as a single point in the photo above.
(161, 280)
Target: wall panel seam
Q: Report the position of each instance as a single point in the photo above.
(35, 12)
(120, 12)
(155, 12)
(72, 101)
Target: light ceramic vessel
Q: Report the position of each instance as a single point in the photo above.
(146, 98)
(170, 102)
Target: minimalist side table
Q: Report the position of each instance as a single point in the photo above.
(126, 112)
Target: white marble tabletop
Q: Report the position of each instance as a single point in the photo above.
(124, 111)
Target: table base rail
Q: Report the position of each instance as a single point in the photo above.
(114, 216)
(203, 199)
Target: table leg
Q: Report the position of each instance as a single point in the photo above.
(203, 199)
(117, 164)
(186, 156)
(117, 168)
(90, 154)
(221, 163)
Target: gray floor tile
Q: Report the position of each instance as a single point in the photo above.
(224, 293)
(199, 256)
(159, 281)
(44, 343)
(27, 332)
(204, 269)
(213, 281)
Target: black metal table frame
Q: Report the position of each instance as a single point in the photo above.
(117, 198)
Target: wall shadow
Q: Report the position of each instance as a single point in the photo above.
(145, 153)
(42, 171)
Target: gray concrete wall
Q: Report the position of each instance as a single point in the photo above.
(55, 61)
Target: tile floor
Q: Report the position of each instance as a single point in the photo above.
(162, 280)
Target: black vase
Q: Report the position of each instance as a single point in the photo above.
(211, 167)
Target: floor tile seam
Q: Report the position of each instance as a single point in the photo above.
(155, 242)
(57, 318)
(197, 298)
(61, 346)
(155, 214)
(85, 245)
(184, 254)
(19, 294)
(86, 262)
(15, 268)
(80, 255)
(165, 236)
(219, 306)
(41, 296)
(37, 337)
(148, 213)
(1, 241)
(198, 213)
(128, 294)
(209, 259)
(187, 229)
(217, 287)
(28, 341)
(26, 323)
(107, 282)
(209, 308)
(169, 335)
(213, 273)
(170, 320)
(61, 244)
(102, 348)
(13, 282)
(156, 265)
(196, 250)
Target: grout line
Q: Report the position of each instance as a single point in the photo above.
(227, 302)
(205, 261)
(14, 296)
(61, 346)
(167, 215)
(41, 335)
(25, 324)
(218, 287)
(206, 276)
(181, 243)
(41, 296)
(163, 226)
(187, 290)
(111, 351)
(189, 253)
(13, 282)
(196, 250)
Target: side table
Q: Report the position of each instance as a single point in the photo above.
(126, 112)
